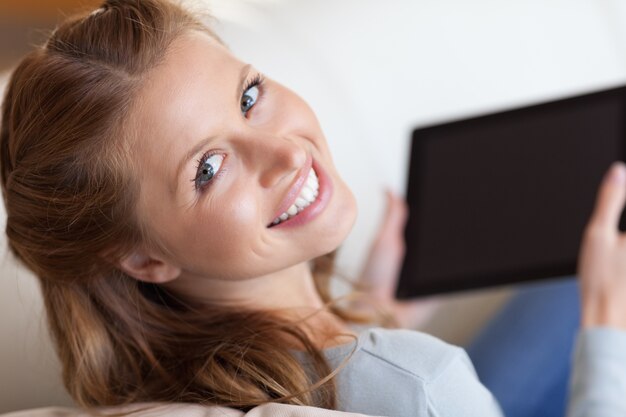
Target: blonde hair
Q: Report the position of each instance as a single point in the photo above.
(70, 196)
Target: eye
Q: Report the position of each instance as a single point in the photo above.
(208, 167)
(249, 98)
(251, 94)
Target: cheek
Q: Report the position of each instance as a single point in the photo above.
(286, 112)
(300, 117)
(219, 233)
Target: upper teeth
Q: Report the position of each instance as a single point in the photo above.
(307, 195)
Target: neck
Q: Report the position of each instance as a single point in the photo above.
(290, 293)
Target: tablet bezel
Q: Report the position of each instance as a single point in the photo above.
(410, 287)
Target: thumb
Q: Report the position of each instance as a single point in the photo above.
(610, 199)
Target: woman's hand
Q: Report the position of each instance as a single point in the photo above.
(382, 267)
(602, 257)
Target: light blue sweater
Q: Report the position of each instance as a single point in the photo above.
(401, 373)
(598, 384)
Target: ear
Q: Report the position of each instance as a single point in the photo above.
(144, 267)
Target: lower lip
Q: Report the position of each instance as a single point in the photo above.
(312, 210)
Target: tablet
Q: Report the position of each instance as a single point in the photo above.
(505, 197)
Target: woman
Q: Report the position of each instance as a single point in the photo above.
(179, 209)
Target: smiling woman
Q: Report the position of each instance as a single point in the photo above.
(263, 144)
(181, 211)
(161, 276)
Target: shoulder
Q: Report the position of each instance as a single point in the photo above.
(419, 354)
(447, 375)
(423, 374)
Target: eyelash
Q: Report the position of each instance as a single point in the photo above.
(256, 81)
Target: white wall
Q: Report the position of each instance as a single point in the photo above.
(373, 70)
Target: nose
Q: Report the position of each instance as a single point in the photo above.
(276, 157)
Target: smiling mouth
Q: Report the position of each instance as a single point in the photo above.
(308, 194)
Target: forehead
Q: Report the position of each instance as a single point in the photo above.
(195, 70)
(186, 95)
(189, 96)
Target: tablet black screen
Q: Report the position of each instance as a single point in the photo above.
(505, 197)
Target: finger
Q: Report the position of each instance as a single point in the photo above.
(610, 200)
(397, 211)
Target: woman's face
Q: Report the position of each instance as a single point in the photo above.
(222, 153)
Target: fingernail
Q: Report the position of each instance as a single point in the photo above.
(618, 174)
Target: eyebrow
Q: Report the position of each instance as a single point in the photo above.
(243, 73)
